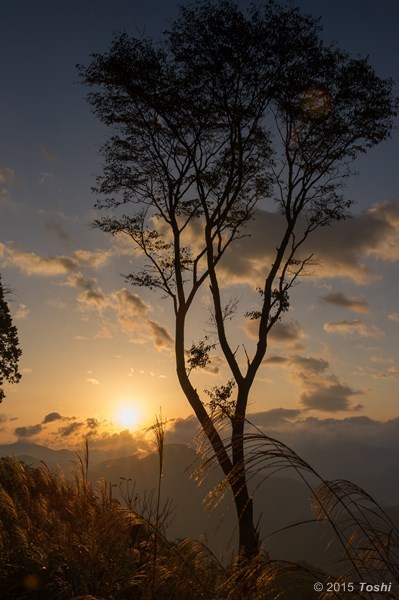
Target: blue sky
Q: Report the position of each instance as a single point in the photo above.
(84, 361)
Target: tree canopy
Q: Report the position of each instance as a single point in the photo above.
(9, 345)
(229, 113)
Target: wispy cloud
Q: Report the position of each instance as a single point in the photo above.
(47, 153)
(22, 312)
(351, 328)
(56, 228)
(31, 263)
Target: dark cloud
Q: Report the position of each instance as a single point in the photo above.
(182, 430)
(70, 429)
(162, 338)
(341, 249)
(92, 423)
(273, 417)
(53, 416)
(283, 332)
(318, 389)
(330, 397)
(91, 294)
(28, 431)
(56, 228)
(359, 305)
(309, 363)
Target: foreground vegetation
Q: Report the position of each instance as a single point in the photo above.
(63, 538)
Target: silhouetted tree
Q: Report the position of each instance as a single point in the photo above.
(9, 345)
(231, 109)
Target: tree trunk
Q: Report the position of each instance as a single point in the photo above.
(248, 535)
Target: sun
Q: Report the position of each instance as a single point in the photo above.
(127, 417)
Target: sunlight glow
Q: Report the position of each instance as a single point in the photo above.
(127, 417)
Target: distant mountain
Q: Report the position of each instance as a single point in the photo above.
(280, 502)
(37, 453)
(373, 468)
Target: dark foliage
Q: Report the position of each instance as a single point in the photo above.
(10, 351)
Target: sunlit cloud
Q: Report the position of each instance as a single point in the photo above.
(22, 312)
(393, 316)
(92, 380)
(351, 328)
(359, 305)
(31, 263)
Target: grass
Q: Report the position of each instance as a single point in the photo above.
(62, 539)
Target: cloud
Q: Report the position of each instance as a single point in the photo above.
(22, 312)
(283, 332)
(53, 416)
(70, 429)
(29, 431)
(92, 380)
(182, 430)
(273, 417)
(342, 249)
(161, 336)
(90, 294)
(7, 176)
(5, 198)
(318, 389)
(359, 305)
(56, 228)
(92, 423)
(393, 316)
(130, 308)
(45, 176)
(353, 328)
(47, 153)
(331, 396)
(31, 263)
